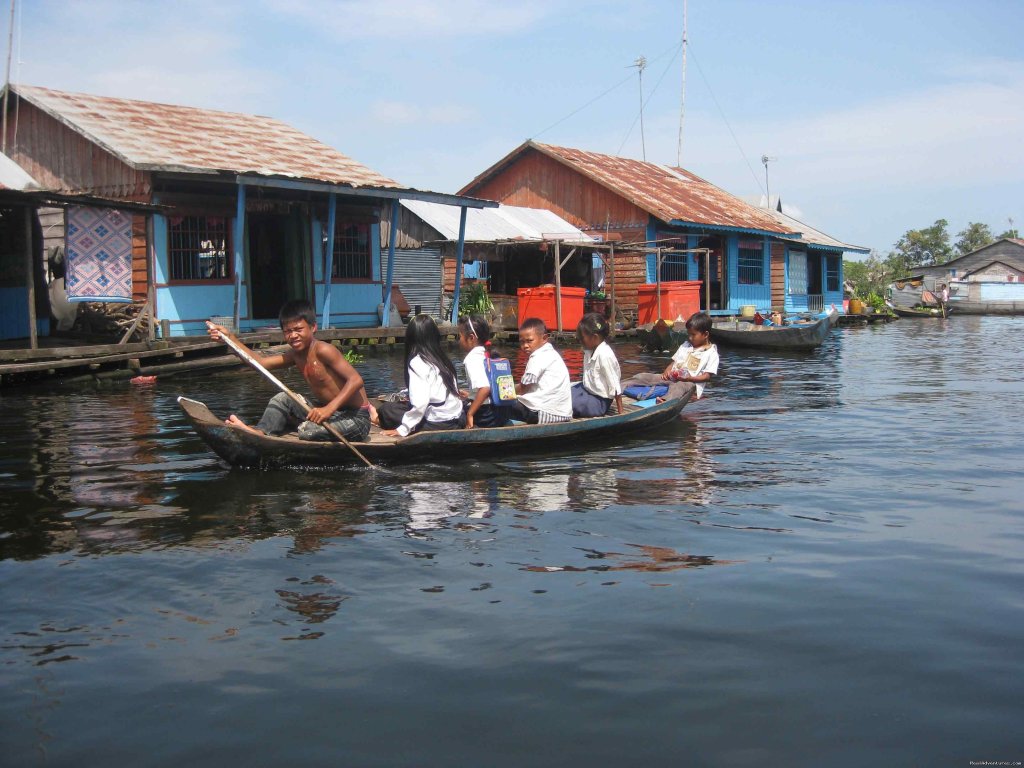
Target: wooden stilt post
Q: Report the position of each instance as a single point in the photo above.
(30, 278)
(558, 286)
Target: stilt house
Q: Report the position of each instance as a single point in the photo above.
(252, 211)
(656, 206)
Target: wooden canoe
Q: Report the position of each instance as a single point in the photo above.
(797, 336)
(242, 448)
(923, 312)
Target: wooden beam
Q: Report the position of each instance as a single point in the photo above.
(30, 275)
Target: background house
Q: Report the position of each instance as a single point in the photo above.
(630, 201)
(807, 271)
(24, 309)
(985, 281)
(506, 248)
(253, 212)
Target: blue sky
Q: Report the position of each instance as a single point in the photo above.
(883, 116)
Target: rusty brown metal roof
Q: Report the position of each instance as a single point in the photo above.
(667, 193)
(166, 137)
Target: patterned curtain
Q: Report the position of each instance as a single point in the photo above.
(99, 255)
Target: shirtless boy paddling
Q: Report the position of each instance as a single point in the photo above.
(339, 396)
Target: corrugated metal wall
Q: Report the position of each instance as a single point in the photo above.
(418, 275)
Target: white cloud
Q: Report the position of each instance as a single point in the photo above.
(425, 20)
(402, 113)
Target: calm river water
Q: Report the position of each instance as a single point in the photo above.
(821, 563)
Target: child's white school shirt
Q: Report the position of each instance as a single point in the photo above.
(475, 363)
(696, 361)
(548, 381)
(601, 373)
(428, 396)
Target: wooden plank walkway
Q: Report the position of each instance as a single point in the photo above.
(72, 363)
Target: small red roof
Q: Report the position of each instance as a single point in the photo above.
(167, 137)
(667, 193)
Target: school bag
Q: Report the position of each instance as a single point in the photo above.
(503, 383)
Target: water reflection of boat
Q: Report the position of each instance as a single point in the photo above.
(242, 448)
(806, 335)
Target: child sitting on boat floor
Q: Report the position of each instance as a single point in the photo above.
(339, 397)
(696, 360)
(545, 396)
(601, 374)
(475, 341)
(434, 399)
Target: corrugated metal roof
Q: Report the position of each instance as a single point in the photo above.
(810, 235)
(167, 137)
(670, 194)
(502, 224)
(14, 178)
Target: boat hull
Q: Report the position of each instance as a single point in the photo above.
(242, 448)
(796, 337)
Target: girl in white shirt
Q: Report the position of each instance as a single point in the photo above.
(601, 375)
(475, 341)
(434, 401)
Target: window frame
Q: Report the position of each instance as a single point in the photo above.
(750, 246)
(173, 274)
(338, 257)
(830, 285)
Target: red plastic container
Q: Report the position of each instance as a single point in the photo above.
(679, 298)
(540, 302)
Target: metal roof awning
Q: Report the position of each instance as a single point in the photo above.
(397, 193)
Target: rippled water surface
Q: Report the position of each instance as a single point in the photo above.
(820, 564)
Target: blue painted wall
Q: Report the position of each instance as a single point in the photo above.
(186, 307)
(759, 295)
(14, 315)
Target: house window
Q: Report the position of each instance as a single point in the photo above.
(198, 247)
(797, 273)
(751, 263)
(352, 253)
(673, 266)
(832, 264)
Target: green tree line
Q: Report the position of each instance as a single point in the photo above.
(917, 248)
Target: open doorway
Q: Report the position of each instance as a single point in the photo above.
(277, 262)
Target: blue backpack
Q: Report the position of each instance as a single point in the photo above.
(503, 383)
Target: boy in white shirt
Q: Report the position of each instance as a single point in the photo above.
(696, 360)
(545, 395)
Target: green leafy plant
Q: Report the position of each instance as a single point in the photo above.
(875, 301)
(473, 298)
(353, 356)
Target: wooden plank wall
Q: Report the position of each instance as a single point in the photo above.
(140, 275)
(778, 275)
(64, 161)
(535, 180)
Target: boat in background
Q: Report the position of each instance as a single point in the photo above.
(941, 311)
(800, 335)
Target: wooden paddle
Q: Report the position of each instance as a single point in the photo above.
(298, 399)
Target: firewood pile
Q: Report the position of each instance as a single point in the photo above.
(97, 318)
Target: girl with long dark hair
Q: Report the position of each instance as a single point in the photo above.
(434, 401)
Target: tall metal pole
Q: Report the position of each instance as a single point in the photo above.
(7, 77)
(641, 63)
(682, 97)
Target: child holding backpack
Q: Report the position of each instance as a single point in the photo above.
(475, 341)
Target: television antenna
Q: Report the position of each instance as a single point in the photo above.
(766, 159)
(641, 65)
